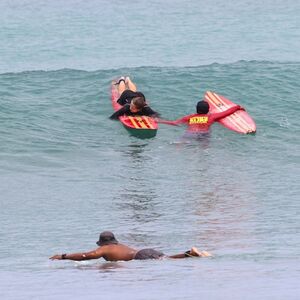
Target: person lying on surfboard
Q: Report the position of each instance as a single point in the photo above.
(202, 120)
(110, 249)
(133, 102)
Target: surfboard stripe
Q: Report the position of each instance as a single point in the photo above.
(237, 117)
(237, 120)
(133, 122)
(247, 127)
(141, 122)
(233, 119)
(215, 102)
(147, 121)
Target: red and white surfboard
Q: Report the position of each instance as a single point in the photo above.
(240, 121)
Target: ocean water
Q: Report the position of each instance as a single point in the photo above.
(67, 172)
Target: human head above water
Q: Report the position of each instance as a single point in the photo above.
(106, 238)
(202, 107)
(137, 103)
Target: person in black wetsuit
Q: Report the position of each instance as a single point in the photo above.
(111, 250)
(133, 102)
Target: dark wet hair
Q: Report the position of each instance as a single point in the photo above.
(138, 102)
(202, 107)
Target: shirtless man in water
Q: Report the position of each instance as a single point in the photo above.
(110, 249)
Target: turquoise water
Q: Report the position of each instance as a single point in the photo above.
(105, 34)
(67, 172)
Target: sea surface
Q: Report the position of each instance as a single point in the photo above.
(67, 172)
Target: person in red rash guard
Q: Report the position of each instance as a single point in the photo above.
(202, 120)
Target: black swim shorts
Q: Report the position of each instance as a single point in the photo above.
(148, 254)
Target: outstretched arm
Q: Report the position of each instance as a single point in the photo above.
(223, 114)
(79, 256)
(159, 120)
(175, 122)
